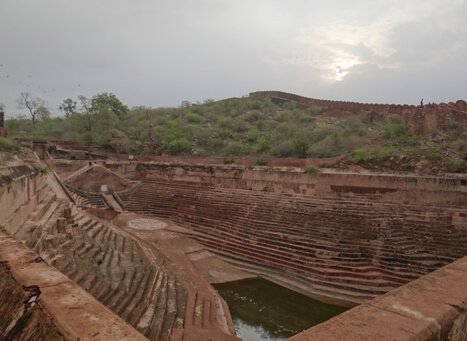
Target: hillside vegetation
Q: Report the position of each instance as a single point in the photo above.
(250, 126)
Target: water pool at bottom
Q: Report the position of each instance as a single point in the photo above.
(262, 310)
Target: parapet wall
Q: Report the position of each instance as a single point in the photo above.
(418, 119)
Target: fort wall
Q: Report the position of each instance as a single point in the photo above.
(417, 119)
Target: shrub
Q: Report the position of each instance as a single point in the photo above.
(384, 153)
(228, 161)
(454, 128)
(193, 117)
(312, 170)
(283, 149)
(394, 129)
(301, 146)
(43, 170)
(433, 156)
(314, 109)
(178, 146)
(408, 167)
(331, 145)
(8, 145)
(454, 165)
(360, 155)
(261, 162)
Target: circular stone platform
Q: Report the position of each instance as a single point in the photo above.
(146, 224)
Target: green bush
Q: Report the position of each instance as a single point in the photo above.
(394, 129)
(261, 162)
(454, 165)
(43, 170)
(301, 146)
(384, 153)
(360, 155)
(8, 145)
(178, 146)
(432, 155)
(331, 145)
(312, 170)
(407, 167)
(454, 128)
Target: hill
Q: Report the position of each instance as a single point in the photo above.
(261, 126)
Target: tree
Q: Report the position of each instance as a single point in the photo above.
(109, 102)
(2, 107)
(68, 107)
(85, 107)
(118, 141)
(37, 107)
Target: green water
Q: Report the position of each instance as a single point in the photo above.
(262, 310)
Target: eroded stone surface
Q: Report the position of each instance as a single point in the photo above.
(146, 224)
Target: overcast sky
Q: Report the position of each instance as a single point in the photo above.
(158, 53)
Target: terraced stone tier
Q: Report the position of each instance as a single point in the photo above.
(349, 248)
(111, 267)
(40, 303)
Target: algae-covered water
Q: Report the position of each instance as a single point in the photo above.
(262, 310)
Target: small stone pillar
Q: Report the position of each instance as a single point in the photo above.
(67, 214)
(61, 225)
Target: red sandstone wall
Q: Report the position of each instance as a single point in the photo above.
(21, 190)
(432, 190)
(70, 144)
(244, 161)
(417, 120)
(4, 132)
(433, 307)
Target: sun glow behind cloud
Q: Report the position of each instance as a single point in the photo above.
(335, 47)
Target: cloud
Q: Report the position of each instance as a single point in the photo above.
(338, 46)
(158, 53)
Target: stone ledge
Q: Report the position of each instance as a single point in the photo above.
(76, 314)
(433, 307)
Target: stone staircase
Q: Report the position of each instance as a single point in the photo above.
(110, 265)
(353, 247)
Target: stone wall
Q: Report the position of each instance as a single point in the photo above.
(244, 161)
(3, 131)
(432, 308)
(417, 119)
(390, 187)
(21, 190)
